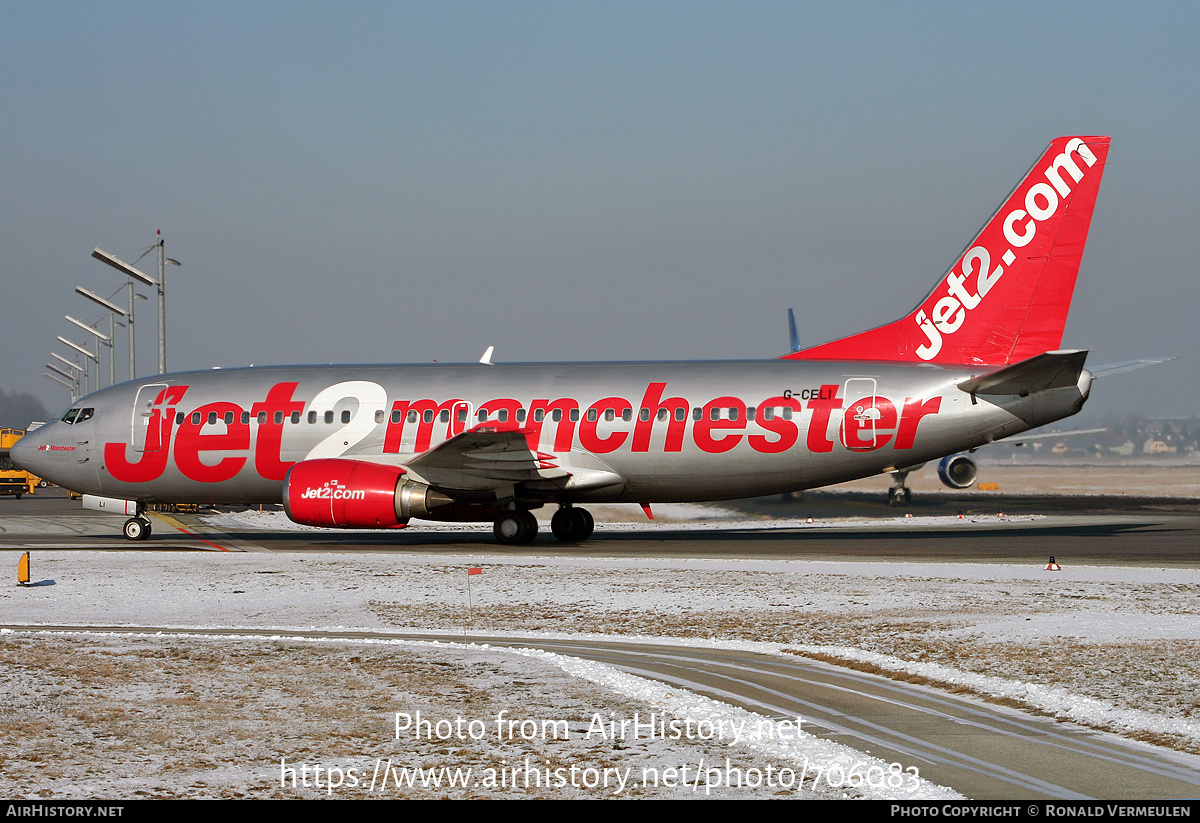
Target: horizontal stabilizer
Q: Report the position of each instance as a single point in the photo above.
(1052, 370)
(1109, 369)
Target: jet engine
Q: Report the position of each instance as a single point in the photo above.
(355, 494)
(957, 471)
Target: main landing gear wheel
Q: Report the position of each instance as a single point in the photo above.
(899, 496)
(137, 529)
(516, 528)
(571, 525)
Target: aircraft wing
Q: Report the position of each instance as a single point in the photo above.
(490, 457)
(485, 457)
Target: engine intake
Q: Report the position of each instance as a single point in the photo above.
(354, 494)
(957, 471)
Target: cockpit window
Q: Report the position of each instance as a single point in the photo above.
(74, 416)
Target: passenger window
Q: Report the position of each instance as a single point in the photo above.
(574, 415)
(179, 417)
(262, 418)
(278, 418)
(502, 416)
(697, 413)
(627, 415)
(379, 415)
(412, 416)
(643, 414)
(749, 412)
(538, 415)
(228, 418)
(592, 415)
(714, 413)
(295, 417)
(768, 413)
(520, 415)
(312, 417)
(396, 415)
(212, 418)
(787, 412)
(245, 418)
(444, 416)
(680, 413)
(345, 415)
(556, 415)
(733, 414)
(329, 416)
(195, 418)
(609, 415)
(428, 415)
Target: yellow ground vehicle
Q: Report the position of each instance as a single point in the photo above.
(13, 480)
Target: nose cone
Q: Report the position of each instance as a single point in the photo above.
(24, 452)
(37, 453)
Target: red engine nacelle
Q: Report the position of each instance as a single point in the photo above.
(353, 494)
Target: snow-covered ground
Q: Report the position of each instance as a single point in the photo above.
(118, 716)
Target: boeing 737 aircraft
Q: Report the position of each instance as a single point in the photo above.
(374, 447)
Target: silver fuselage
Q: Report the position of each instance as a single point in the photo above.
(672, 432)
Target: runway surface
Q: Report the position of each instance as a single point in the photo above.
(1162, 531)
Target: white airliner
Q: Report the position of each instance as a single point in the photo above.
(374, 447)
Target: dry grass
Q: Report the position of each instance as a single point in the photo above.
(160, 717)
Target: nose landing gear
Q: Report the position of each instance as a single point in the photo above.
(137, 528)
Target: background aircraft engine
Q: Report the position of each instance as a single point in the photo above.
(957, 471)
(353, 494)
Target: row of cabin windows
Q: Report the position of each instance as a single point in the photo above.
(539, 415)
(228, 417)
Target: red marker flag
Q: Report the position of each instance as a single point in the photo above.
(474, 570)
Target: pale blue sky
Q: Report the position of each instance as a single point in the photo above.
(407, 181)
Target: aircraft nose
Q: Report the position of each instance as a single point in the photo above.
(31, 451)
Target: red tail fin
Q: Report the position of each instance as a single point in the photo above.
(1007, 297)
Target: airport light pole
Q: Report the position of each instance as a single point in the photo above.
(160, 284)
(101, 339)
(65, 378)
(133, 296)
(87, 354)
(76, 370)
(163, 260)
(69, 386)
(113, 310)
